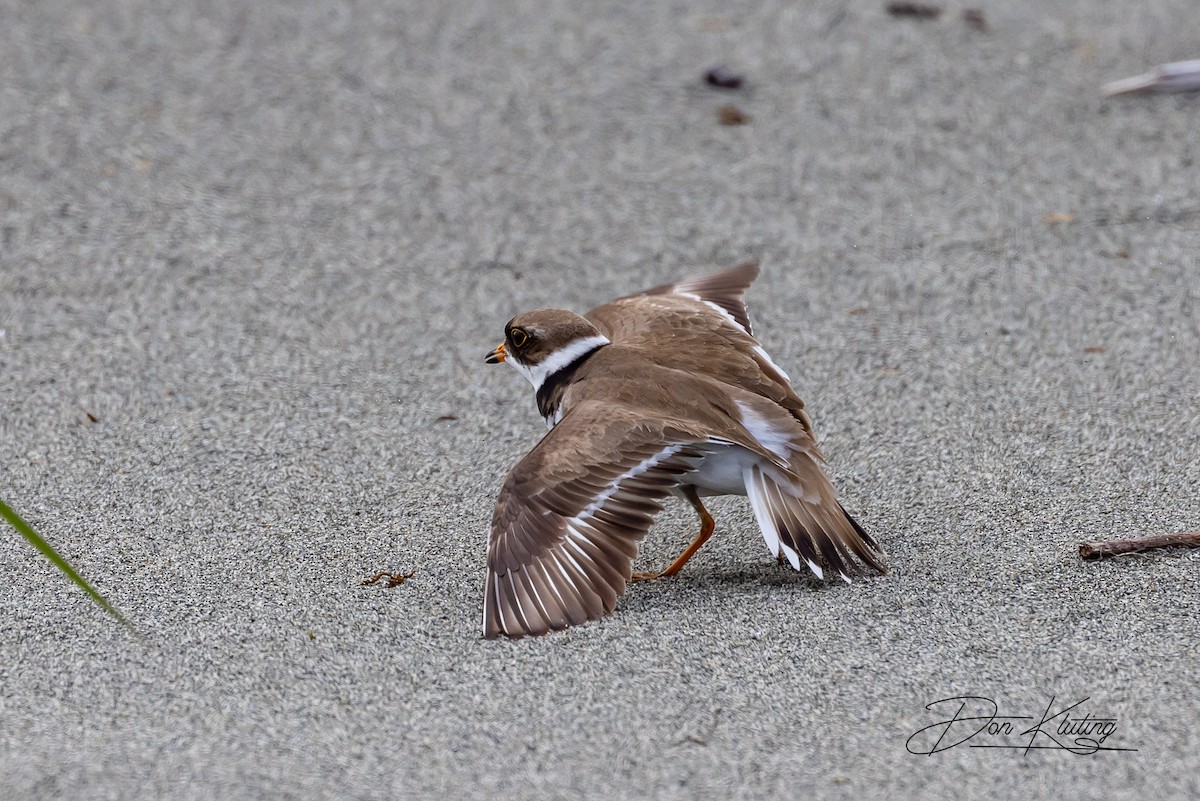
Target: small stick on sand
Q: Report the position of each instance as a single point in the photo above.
(393, 579)
(1099, 550)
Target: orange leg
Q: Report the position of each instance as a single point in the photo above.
(706, 530)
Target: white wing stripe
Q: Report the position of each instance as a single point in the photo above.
(761, 352)
(715, 307)
(499, 607)
(587, 559)
(573, 531)
(566, 576)
(547, 575)
(489, 584)
(516, 598)
(769, 436)
(533, 590)
(567, 554)
(615, 484)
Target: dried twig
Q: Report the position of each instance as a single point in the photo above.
(393, 579)
(1099, 550)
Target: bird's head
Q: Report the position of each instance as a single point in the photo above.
(542, 342)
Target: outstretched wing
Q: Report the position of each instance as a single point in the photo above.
(567, 521)
(720, 293)
(695, 315)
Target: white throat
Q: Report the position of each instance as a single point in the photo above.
(538, 373)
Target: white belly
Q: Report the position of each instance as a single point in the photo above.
(721, 473)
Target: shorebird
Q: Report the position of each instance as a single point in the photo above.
(659, 393)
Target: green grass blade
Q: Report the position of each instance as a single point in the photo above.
(28, 533)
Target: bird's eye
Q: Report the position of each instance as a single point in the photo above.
(519, 337)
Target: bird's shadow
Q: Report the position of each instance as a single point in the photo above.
(771, 575)
(650, 600)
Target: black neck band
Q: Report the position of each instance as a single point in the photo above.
(550, 392)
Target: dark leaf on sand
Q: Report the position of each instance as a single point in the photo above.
(901, 8)
(723, 78)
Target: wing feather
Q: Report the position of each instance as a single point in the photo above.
(569, 517)
(721, 291)
(697, 315)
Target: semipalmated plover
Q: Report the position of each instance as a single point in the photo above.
(663, 392)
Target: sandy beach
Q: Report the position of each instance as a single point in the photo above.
(252, 257)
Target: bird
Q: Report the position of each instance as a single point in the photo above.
(662, 393)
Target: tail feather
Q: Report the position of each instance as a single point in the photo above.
(864, 545)
(809, 526)
(777, 519)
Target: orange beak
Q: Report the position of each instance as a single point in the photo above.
(497, 356)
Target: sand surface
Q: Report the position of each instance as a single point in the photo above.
(252, 256)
